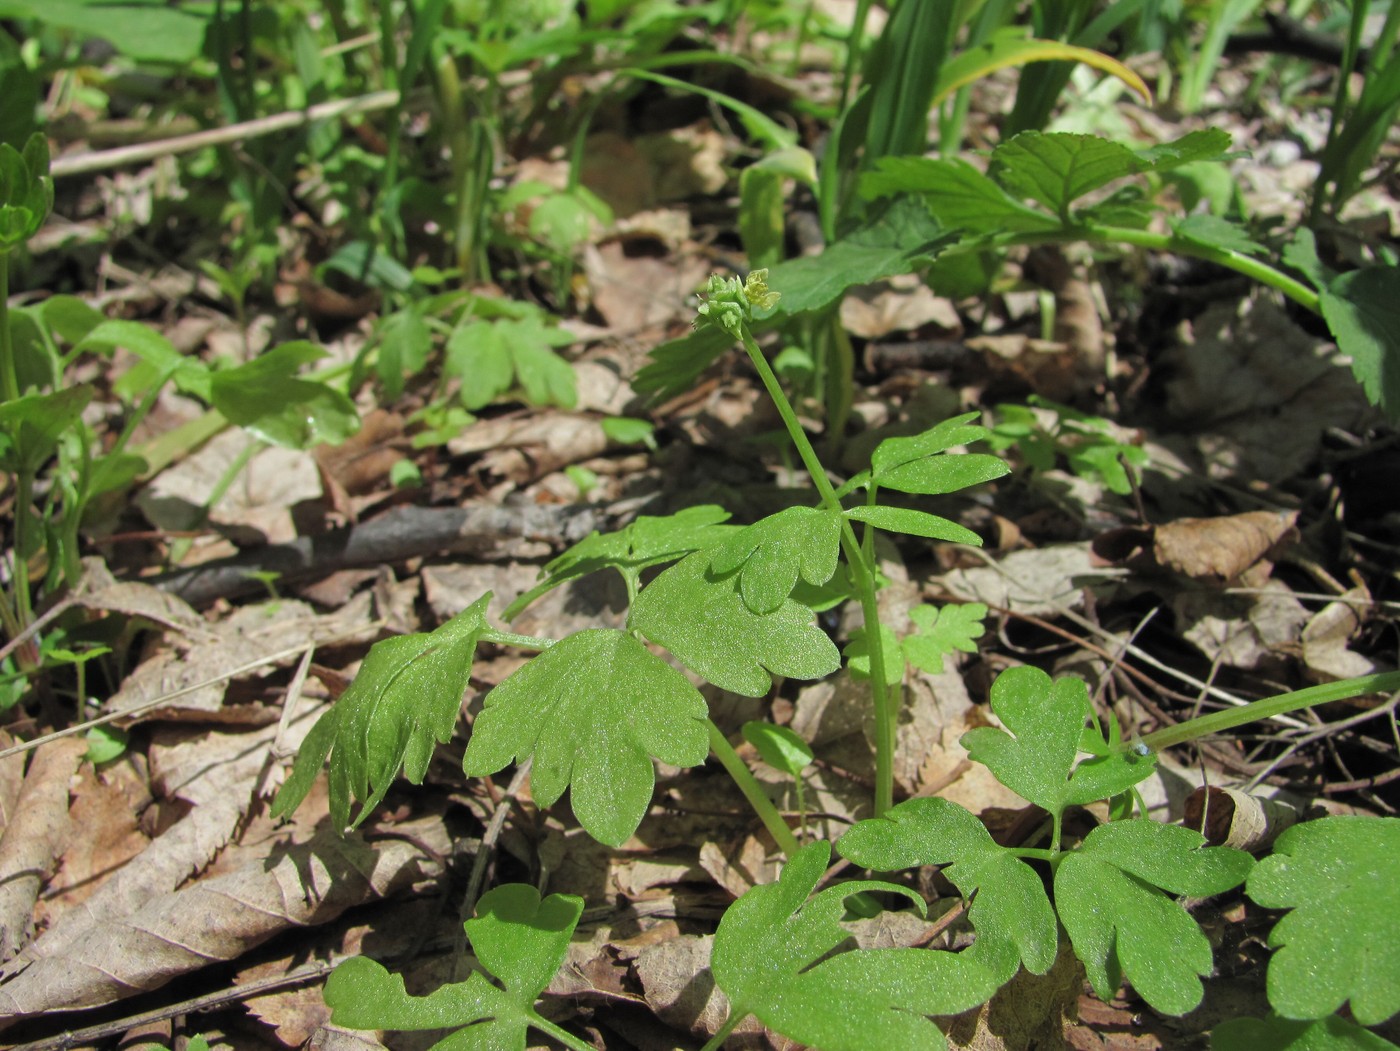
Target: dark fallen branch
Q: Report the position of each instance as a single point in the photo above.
(1288, 36)
(483, 532)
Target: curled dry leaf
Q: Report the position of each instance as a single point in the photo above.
(34, 839)
(1327, 638)
(223, 917)
(1216, 551)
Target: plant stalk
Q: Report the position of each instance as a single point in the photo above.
(1267, 708)
(862, 574)
(753, 792)
(722, 1034)
(565, 1037)
(9, 379)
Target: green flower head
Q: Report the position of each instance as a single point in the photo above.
(730, 303)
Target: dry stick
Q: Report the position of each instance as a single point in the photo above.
(483, 853)
(85, 163)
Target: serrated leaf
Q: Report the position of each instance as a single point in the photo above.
(647, 541)
(268, 399)
(912, 465)
(515, 936)
(1057, 168)
(957, 195)
(901, 239)
(1205, 144)
(779, 747)
(1214, 232)
(1047, 718)
(675, 365)
(1341, 942)
(773, 552)
(1333, 1033)
(701, 618)
(773, 956)
(1010, 903)
(405, 699)
(914, 523)
(941, 632)
(592, 711)
(1362, 308)
(1119, 921)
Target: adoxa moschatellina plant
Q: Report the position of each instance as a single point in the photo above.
(593, 710)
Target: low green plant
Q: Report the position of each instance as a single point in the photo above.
(1043, 432)
(593, 711)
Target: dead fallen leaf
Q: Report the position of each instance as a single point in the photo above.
(897, 305)
(1029, 1013)
(1215, 551)
(221, 918)
(1039, 582)
(34, 839)
(1327, 637)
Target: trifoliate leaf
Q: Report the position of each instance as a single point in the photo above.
(1362, 308)
(1342, 940)
(515, 936)
(493, 356)
(405, 699)
(912, 465)
(775, 551)
(1038, 763)
(1333, 1033)
(1010, 906)
(701, 618)
(1108, 897)
(779, 747)
(267, 398)
(592, 710)
(941, 632)
(1057, 168)
(647, 541)
(773, 957)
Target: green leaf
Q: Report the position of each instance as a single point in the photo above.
(1010, 903)
(628, 430)
(648, 541)
(266, 398)
(144, 32)
(1120, 922)
(900, 240)
(779, 747)
(160, 361)
(773, 552)
(676, 364)
(406, 697)
(404, 345)
(1342, 940)
(592, 710)
(941, 632)
(957, 195)
(105, 743)
(915, 523)
(1206, 144)
(701, 618)
(1038, 763)
(857, 654)
(31, 426)
(515, 936)
(1212, 231)
(912, 465)
(1057, 168)
(1362, 308)
(1009, 47)
(1301, 254)
(492, 357)
(1333, 1033)
(774, 956)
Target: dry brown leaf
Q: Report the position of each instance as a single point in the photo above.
(1029, 1013)
(11, 780)
(1039, 582)
(679, 988)
(1327, 638)
(98, 589)
(1241, 631)
(896, 305)
(738, 871)
(35, 838)
(635, 289)
(223, 917)
(1215, 551)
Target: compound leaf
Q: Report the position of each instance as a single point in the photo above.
(645, 542)
(592, 710)
(1120, 922)
(958, 195)
(405, 699)
(1333, 1033)
(773, 956)
(266, 398)
(701, 618)
(941, 632)
(515, 936)
(1010, 904)
(1057, 168)
(775, 551)
(1342, 940)
(1038, 763)
(912, 465)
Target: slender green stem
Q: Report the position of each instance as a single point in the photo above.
(753, 791)
(24, 498)
(1267, 708)
(722, 1034)
(565, 1037)
(510, 638)
(9, 380)
(862, 574)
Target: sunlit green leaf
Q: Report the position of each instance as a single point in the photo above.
(941, 632)
(773, 552)
(779, 747)
(268, 399)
